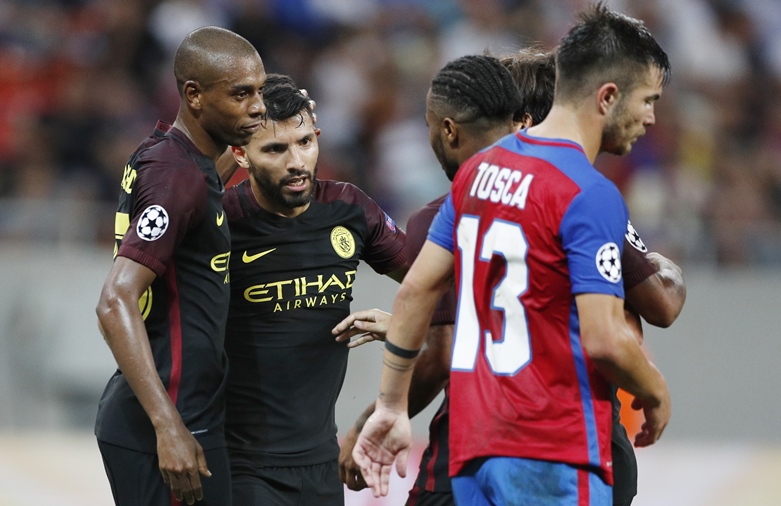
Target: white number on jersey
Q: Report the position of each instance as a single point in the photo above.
(510, 353)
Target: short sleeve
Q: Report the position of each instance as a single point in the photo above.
(169, 201)
(441, 231)
(385, 244)
(592, 233)
(636, 266)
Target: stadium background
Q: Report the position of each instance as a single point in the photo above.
(82, 81)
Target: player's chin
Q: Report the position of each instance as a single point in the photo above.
(621, 149)
(241, 138)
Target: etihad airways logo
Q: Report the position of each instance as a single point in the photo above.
(302, 292)
(220, 263)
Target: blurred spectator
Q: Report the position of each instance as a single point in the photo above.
(83, 80)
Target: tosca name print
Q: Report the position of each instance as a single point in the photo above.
(302, 292)
(500, 184)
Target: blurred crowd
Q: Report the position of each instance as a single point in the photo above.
(83, 81)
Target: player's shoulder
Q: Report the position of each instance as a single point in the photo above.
(426, 213)
(231, 200)
(168, 147)
(328, 191)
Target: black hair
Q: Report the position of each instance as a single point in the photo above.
(476, 87)
(606, 46)
(284, 99)
(534, 72)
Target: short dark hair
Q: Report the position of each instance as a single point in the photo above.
(476, 87)
(606, 46)
(208, 53)
(534, 72)
(284, 99)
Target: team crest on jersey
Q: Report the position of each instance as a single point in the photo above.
(343, 242)
(634, 238)
(153, 223)
(609, 262)
(390, 223)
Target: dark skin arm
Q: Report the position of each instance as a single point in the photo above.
(430, 376)
(660, 297)
(226, 165)
(180, 455)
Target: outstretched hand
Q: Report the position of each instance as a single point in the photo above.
(371, 324)
(386, 438)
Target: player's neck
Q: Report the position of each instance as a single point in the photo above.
(572, 124)
(482, 141)
(198, 136)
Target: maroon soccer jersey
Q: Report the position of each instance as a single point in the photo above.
(170, 219)
(433, 474)
(291, 282)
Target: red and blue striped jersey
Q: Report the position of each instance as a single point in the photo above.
(531, 224)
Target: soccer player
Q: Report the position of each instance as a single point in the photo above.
(653, 284)
(535, 235)
(296, 244)
(164, 304)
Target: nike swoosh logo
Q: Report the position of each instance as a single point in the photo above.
(251, 258)
(220, 219)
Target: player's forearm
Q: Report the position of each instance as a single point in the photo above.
(432, 370)
(424, 388)
(126, 336)
(611, 346)
(361, 420)
(627, 367)
(671, 277)
(659, 298)
(412, 311)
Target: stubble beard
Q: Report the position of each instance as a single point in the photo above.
(274, 192)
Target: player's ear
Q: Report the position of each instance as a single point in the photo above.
(192, 93)
(448, 128)
(240, 155)
(526, 122)
(607, 97)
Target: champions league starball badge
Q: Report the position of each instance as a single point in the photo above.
(633, 238)
(609, 262)
(153, 223)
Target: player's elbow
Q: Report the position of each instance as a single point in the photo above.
(666, 311)
(602, 345)
(108, 306)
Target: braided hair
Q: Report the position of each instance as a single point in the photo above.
(474, 88)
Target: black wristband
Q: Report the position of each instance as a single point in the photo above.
(400, 352)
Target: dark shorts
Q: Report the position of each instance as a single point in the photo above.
(282, 486)
(135, 478)
(624, 467)
(422, 497)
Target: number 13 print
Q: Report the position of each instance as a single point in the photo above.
(510, 353)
